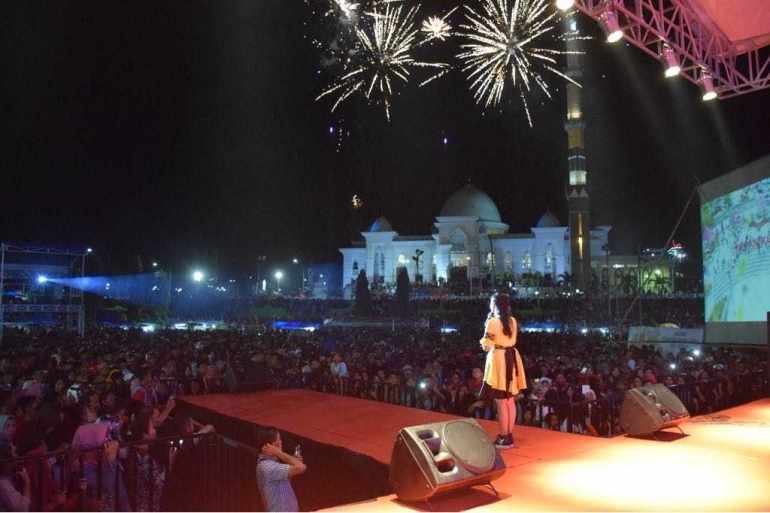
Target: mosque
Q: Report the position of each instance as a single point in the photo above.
(468, 233)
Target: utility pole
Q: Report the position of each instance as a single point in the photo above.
(639, 282)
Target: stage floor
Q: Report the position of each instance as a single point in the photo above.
(721, 464)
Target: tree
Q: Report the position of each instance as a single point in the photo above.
(505, 282)
(567, 281)
(363, 300)
(628, 283)
(661, 283)
(402, 291)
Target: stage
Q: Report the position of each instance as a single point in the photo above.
(721, 464)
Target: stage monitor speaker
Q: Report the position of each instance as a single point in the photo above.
(260, 378)
(443, 456)
(649, 409)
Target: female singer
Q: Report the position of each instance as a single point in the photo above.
(504, 371)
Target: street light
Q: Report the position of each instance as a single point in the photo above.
(302, 277)
(278, 276)
(197, 276)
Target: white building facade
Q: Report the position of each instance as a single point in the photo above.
(468, 233)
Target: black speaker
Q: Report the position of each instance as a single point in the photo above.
(259, 378)
(434, 458)
(649, 409)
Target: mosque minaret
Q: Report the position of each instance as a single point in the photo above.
(576, 188)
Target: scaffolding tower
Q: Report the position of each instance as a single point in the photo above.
(35, 286)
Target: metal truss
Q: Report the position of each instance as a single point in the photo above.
(13, 274)
(41, 249)
(736, 68)
(41, 308)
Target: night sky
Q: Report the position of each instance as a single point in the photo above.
(188, 132)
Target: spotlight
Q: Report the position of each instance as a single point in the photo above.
(696, 352)
(564, 4)
(42, 279)
(671, 61)
(198, 276)
(608, 21)
(706, 83)
(89, 250)
(672, 365)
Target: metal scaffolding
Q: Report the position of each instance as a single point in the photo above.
(702, 48)
(22, 293)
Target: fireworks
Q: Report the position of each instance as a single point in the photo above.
(348, 8)
(503, 46)
(383, 58)
(437, 28)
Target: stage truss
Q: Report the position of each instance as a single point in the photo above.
(18, 279)
(736, 67)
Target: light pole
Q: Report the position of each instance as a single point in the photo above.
(446, 161)
(417, 255)
(260, 260)
(606, 248)
(278, 276)
(296, 261)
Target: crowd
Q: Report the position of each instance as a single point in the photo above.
(568, 312)
(63, 392)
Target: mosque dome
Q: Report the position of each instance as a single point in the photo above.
(381, 225)
(548, 221)
(470, 201)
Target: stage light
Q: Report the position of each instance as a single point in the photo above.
(155, 264)
(42, 279)
(608, 21)
(706, 84)
(89, 250)
(294, 260)
(198, 276)
(696, 352)
(564, 4)
(672, 365)
(671, 61)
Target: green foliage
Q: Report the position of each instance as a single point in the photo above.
(363, 298)
(402, 291)
(504, 282)
(628, 283)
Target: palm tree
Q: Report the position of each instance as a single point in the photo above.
(661, 283)
(628, 283)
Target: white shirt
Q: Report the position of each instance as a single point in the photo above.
(339, 368)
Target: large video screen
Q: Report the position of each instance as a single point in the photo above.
(736, 254)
